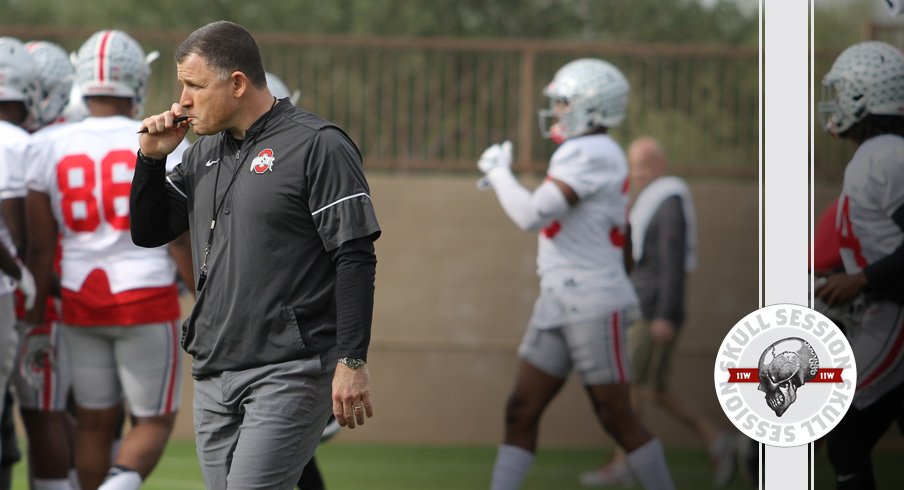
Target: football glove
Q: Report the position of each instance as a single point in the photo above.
(26, 285)
(496, 156)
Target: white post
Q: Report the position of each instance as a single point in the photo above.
(785, 189)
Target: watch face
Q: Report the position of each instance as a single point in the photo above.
(352, 362)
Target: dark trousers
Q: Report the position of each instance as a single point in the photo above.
(310, 477)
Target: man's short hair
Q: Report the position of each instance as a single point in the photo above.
(226, 47)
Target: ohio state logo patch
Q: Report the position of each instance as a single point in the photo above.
(263, 161)
(785, 375)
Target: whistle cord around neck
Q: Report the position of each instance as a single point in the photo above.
(202, 276)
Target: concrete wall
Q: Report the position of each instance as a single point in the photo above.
(455, 286)
(455, 290)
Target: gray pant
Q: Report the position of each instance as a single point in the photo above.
(257, 428)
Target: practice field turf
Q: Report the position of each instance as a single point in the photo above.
(400, 467)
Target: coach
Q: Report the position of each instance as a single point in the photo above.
(282, 226)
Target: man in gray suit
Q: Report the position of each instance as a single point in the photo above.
(663, 249)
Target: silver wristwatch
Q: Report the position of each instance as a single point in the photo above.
(352, 362)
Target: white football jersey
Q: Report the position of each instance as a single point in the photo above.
(12, 169)
(86, 168)
(587, 241)
(13, 147)
(873, 190)
(18, 174)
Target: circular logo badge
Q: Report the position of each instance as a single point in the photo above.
(785, 375)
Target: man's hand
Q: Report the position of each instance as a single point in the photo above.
(351, 395)
(496, 156)
(162, 136)
(662, 331)
(841, 288)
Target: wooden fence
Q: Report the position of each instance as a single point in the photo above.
(426, 103)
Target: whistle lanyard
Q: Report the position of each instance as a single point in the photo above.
(239, 162)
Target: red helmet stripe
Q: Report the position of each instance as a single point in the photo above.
(102, 54)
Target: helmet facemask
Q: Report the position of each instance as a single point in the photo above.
(843, 104)
(556, 119)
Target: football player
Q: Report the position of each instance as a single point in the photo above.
(119, 302)
(586, 299)
(19, 88)
(863, 101)
(41, 379)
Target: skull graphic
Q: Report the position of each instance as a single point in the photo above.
(784, 367)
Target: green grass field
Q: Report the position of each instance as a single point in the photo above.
(399, 467)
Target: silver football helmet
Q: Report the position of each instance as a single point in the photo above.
(111, 63)
(279, 89)
(596, 93)
(55, 73)
(19, 77)
(866, 78)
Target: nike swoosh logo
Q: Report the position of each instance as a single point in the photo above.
(211, 162)
(843, 478)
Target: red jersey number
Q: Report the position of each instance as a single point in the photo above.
(77, 180)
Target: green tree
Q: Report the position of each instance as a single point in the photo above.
(837, 25)
(603, 20)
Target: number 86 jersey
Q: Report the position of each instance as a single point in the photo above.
(86, 170)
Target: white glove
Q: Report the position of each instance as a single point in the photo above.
(496, 156)
(38, 354)
(26, 284)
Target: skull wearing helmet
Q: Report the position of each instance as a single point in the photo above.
(783, 368)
